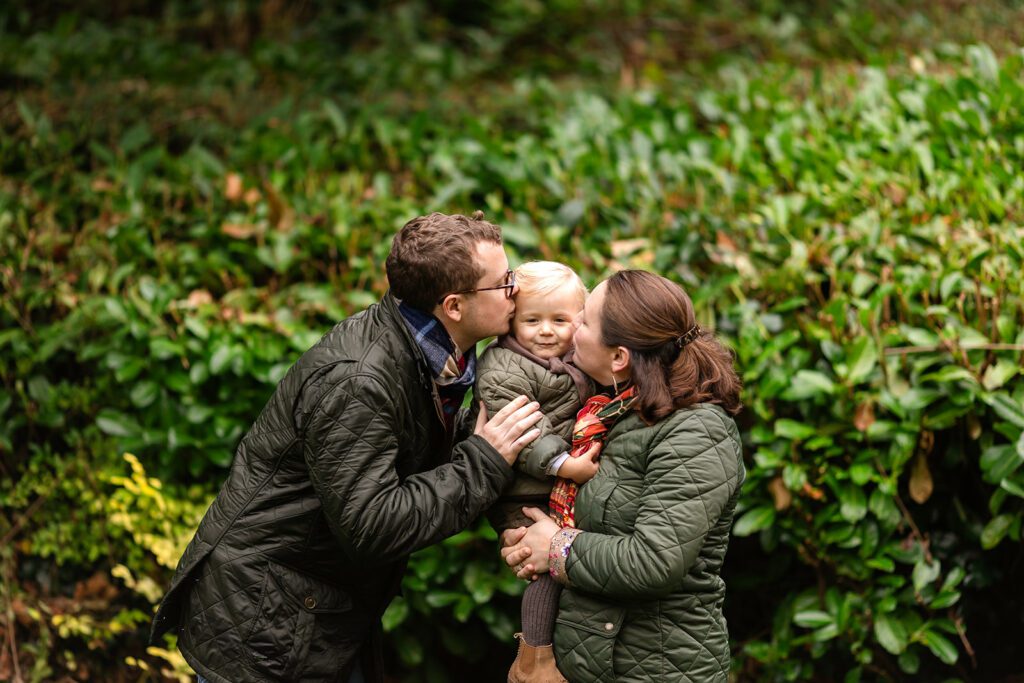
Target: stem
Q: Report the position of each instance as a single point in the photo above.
(959, 623)
(904, 350)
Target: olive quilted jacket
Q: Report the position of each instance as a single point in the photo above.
(346, 472)
(645, 597)
(502, 375)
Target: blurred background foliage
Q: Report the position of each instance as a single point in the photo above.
(192, 193)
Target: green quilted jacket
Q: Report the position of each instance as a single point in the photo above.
(502, 375)
(645, 596)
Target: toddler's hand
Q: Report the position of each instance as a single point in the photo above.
(580, 470)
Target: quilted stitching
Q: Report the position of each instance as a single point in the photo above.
(502, 375)
(661, 506)
(347, 460)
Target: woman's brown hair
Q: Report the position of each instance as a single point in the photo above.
(651, 316)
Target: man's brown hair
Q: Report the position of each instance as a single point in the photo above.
(649, 315)
(435, 255)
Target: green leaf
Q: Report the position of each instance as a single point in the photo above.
(861, 359)
(396, 613)
(918, 398)
(999, 462)
(1012, 487)
(1005, 407)
(793, 430)
(116, 424)
(222, 356)
(890, 633)
(940, 647)
(852, 503)
(910, 662)
(808, 384)
(164, 348)
(925, 573)
(754, 520)
(999, 374)
(40, 389)
(950, 373)
(995, 530)
(812, 619)
(144, 393)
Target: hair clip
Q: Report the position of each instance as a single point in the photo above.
(689, 336)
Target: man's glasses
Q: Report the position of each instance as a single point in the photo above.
(509, 287)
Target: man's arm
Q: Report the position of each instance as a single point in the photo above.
(350, 449)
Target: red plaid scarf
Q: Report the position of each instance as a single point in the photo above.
(598, 415)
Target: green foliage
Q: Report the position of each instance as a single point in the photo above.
(184, 210)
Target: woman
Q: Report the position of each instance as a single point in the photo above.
(641, 567)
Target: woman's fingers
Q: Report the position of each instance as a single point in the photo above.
(518, 557)
(512, 536)
(536, 514)
(527, 572)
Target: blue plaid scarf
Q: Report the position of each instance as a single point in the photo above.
(438, 348)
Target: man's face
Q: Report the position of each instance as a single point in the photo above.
(488, 312)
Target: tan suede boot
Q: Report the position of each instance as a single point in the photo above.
(534, 664)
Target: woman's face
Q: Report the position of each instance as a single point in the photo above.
(592, 356)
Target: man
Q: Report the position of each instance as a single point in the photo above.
(349, 469)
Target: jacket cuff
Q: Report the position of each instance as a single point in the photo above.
(561, 544)
(491, 456)
(541, 453)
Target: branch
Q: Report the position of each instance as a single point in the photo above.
(904, 350)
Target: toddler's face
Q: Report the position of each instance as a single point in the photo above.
(544, 322)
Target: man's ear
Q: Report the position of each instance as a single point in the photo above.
(620, 359)
(451, 308)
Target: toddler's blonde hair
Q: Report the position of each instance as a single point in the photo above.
(544, 277)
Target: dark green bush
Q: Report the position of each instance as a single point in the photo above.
(177, 227)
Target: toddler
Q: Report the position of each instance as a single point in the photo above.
(533, 360)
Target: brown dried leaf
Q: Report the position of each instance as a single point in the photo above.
(780, 494)
(895, 194)
(280, 214)
(252, 195)
(233, 187)
(623, 248)
(239, 231)
(864, 416)
(198, 297)
(973, 427)
(812, 492)
(724, 242)
(921, 484)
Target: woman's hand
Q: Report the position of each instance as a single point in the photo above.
(528, 556)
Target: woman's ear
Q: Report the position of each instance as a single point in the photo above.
(450, 308)
(620, 360)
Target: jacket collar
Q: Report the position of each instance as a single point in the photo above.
(389, 307)
(556, 366)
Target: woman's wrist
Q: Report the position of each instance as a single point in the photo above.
(561, 543)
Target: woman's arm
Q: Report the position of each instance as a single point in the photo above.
(692, 473)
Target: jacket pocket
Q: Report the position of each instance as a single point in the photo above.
(302, 628)
(585, 634)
